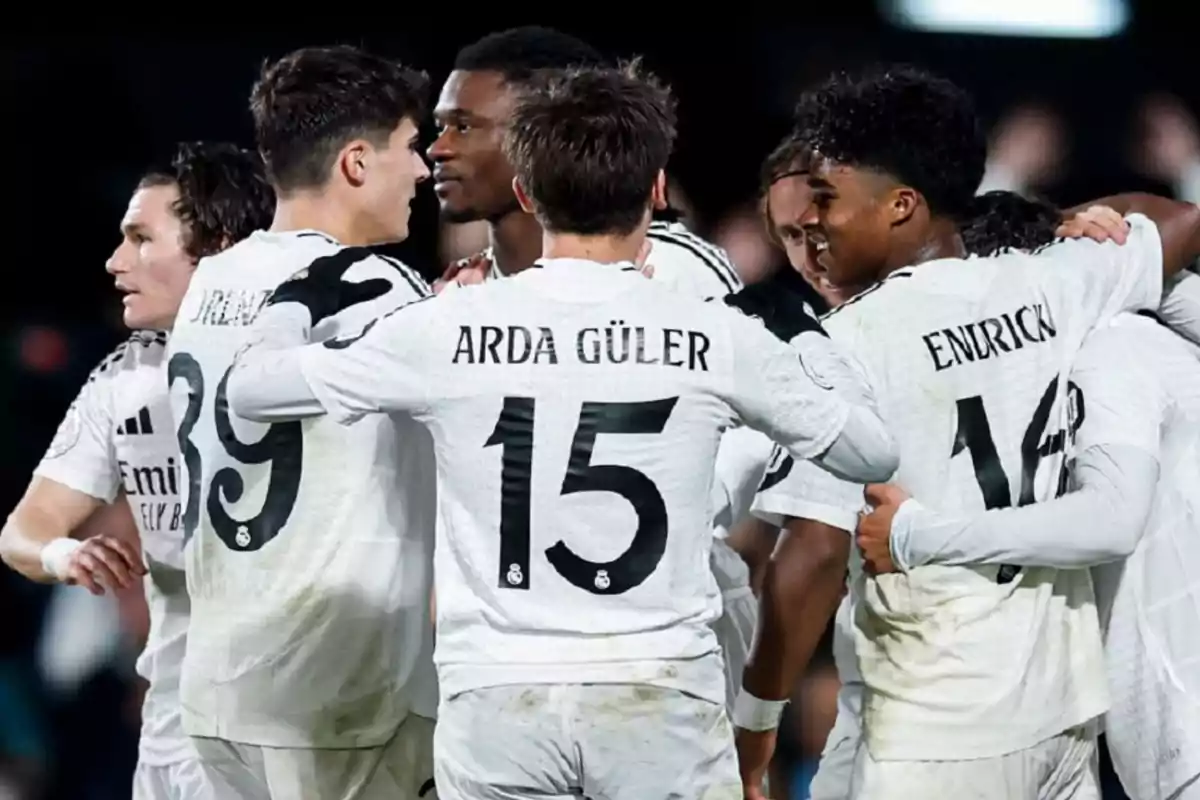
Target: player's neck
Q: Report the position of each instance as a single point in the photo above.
(940, 240)
(516, 241)
(303, 212)
(602, 249)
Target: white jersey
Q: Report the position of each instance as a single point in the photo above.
(968, 360)
(311, 545)
(1142, 388)
(681, 260)
(576, 410)
(118, 439)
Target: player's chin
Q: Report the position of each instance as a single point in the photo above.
(454, 210)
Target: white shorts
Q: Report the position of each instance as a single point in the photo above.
(400, 770)
(739, 615)
(183, 780)
(1061, 768)
(606, 742)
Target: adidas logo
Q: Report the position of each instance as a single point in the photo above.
(138, 425)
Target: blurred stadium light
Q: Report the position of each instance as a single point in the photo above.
(1063, 19)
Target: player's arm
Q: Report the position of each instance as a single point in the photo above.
(78, 475)
(375, 371)
(1180, 308)
(1178, 224)
(1115, 477)
(802, 587)
(775, 390)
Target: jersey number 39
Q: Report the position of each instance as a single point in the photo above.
(282, 447)
(514, 434)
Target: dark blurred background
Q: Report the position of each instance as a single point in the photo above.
(83, 113)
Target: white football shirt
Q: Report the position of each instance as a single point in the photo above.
(118, 439)
(576, 409)
(1141, 386)
(309, 563)
(968, 360)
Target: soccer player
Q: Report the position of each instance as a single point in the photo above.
(473, 177)
(576, 410)
(309, 667)
(473, 181)
(978, 679)
(1131, 515)
(118, 441)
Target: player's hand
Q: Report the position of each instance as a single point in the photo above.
(754, 750)
(104, 562)
(874, 535)
(1098, 223)
(322, 290)
(464, 272)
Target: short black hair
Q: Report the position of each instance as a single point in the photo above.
(521, 54)
(1007, 221)
(588, 145)
(223, 194)
(917, 127)
(310, 103)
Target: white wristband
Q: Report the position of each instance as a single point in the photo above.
(755, 714)
(56, 556)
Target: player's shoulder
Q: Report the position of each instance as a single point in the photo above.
(677, 253)
(783, 311)
(893, 289)
(143, 349)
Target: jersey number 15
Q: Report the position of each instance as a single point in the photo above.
(514, 435)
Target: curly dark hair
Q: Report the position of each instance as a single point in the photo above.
(223, 194)
(1007, 221)
(588, 145)
(901, 120)
(520, 54)
(310, 103)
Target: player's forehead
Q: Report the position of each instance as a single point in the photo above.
(481, 94)
(789, 198)
(151, 207)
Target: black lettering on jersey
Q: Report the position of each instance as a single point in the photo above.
(780, 467)
(229, 307)
(618, 343)
(159, 516)
(990, 337)
(514, 435)
(155, 480)
(510, 344)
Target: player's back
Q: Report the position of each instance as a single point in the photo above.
(576, 423)
(310, 550)
(969, 360)
(1151, 600)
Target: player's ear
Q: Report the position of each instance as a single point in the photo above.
(902, 203)
(352, 162)
(522, 198)
(659, 192)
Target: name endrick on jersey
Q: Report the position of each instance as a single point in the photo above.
(616, 343)
(991, 337)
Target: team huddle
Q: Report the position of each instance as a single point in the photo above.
(475, 539)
